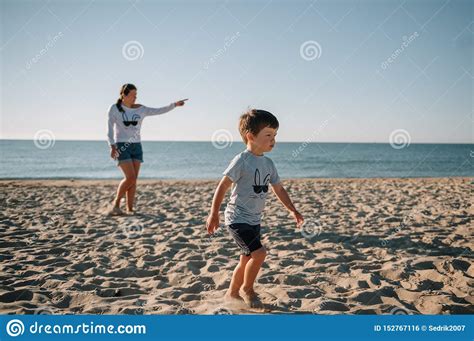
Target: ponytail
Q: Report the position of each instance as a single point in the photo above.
(119, 105)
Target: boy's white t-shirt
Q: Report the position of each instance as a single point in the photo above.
(250, 174)
(117, 131)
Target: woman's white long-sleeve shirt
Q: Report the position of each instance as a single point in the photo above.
(117, 131)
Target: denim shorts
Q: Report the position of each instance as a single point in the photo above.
(129, 152)
(246, 236)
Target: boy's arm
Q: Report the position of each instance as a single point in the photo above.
(284, 198)
(213, 220)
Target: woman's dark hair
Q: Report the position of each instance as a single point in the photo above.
(126, 88)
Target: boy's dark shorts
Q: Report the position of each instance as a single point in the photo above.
(246, 236)
(129, 152)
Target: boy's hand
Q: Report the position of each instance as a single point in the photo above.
(298, 217)
(212, 223)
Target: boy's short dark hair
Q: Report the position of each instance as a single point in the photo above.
(254, 120)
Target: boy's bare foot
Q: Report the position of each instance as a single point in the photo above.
(251, 298)
(233, 297)
(114, 211)
(250, 292)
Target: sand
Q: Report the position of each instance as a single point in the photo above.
(370, 246)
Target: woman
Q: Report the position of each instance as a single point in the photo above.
(124, 123)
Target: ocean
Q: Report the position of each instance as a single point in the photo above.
(22, 159)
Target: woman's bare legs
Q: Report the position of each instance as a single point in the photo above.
(128, 181)
(132, 189)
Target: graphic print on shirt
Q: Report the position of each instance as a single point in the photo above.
(133, 122)
(260, 187)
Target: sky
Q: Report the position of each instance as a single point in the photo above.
(331, 71)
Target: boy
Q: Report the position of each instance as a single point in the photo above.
(250, 172)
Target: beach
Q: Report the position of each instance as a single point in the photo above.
(369, 246)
